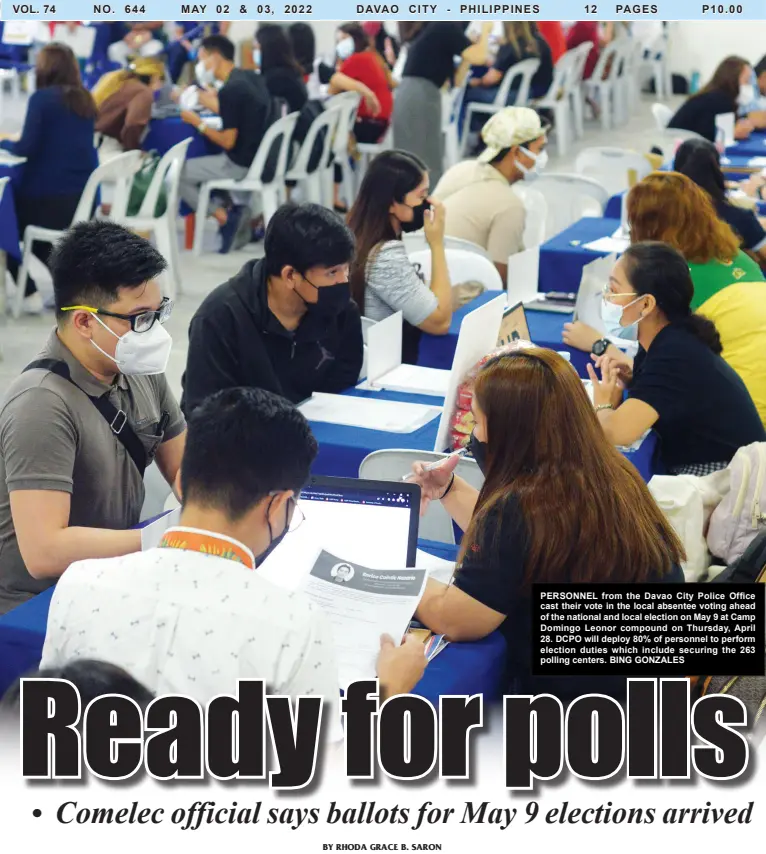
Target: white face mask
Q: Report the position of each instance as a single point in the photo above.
(611, 315)
(204, 75)
(140, 352)
(746, 94)
(345, 47)
(540, 161)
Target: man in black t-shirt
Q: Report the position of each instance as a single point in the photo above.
(246, 111)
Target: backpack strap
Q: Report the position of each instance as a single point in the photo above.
(115, 418)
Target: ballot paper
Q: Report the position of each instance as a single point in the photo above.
(616, 243)
(384, 363)
(362, 604)
(388, 415)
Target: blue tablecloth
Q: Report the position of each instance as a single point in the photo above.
(545, 329)
(163, 134)
(342, 449)
(754, 146)
(563, 256)
(461, 668)
(9, 226)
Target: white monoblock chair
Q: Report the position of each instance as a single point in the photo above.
(462, 267)
(119, 171)
(394, 464)
(367, 151)
(536, 210)
(347, 103)
(662, 115)
(570, 197)
(576, 87)
(611, 166)
(624, 80)
(559, 98)
(452, 103)
(655, 65)
(317, 180)
(634, 51)
(602, 83)
(415, 242)
(163, 227)
(280, 133)
(521, 73)
(523, 275)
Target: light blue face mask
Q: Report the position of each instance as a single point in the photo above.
(611, 315)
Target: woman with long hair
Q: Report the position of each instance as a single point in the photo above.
(124, 101)
(728, 91)
(57, 140)
(431, 51)
(302, 38)
(678, 383)
(521, 40)
(392, 200)
(557, 506)
(699, 160)
(279, 67)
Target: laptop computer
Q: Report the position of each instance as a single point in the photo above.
(371, 522)
(513, 326)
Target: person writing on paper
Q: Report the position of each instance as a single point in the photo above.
(124, 100)
(478, 195)
(678, 384)
(556, 506)
(284, 323)
(57, 142)
(248, 454)
(699, 160)
(71, 486)
(728, 89)
(729, 287)
(246, 110)
(393, 200)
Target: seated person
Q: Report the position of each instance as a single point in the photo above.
(521, 41)
(279, 67)
(70, 487)
(393, 199)
(303, 41)
(678, 384)
(284, 323)
(146, 38)
(727, 91)
(729, 287)
(248, 455)
(527, 524)
(246, 110)
(478, 198)
(93, 679)
(699, 160)
(124, 101)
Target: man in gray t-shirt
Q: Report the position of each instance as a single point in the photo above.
(70, 488)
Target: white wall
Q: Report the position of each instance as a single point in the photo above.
(701, 45)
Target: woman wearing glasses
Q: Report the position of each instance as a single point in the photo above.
(678, 384)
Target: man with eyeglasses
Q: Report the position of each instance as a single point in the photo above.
(194, 615)
(84, 420)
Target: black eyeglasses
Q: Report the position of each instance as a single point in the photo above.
(142, 322)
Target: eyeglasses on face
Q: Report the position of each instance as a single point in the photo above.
(141, 322)
(611, 296)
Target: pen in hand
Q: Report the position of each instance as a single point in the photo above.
(438, 463)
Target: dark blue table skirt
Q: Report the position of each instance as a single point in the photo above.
(461, 668)
(563, 256)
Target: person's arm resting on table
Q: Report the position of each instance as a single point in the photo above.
(624, 422)
(446, 610)
(39, 443)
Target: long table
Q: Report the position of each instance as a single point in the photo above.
(461, 668)
(564, 255)
(342, 448)
(753, 146)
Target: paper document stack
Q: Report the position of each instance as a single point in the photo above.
(388, 415)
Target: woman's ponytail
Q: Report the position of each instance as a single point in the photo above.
(704, 329)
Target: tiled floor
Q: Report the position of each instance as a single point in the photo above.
(21, 339)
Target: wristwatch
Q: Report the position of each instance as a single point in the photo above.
(599, 347)
(202, 128)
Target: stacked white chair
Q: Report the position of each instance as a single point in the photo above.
(602, 84)
(521, 74)
(347, 103)
(611, 167)
(655, 64)
(317, 180)
(163, 227)
(118, 171)
(270, 191)
(577, 87)
(560, 96)
(451, 105)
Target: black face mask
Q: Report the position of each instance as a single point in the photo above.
(478, 451)
(418, 217)
(273, 541)
(331, 299)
